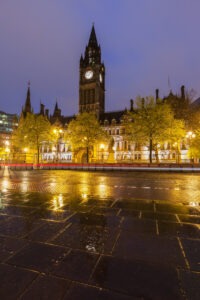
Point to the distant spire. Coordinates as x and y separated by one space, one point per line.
27 108
57 111
41 109
56 106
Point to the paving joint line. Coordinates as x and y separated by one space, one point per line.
57 234
183 253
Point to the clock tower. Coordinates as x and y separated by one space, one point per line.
92 78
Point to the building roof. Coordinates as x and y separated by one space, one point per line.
196 103
110 116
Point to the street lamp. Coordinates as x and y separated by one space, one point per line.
85 139
190 135
102 146
25 151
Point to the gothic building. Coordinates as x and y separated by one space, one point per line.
92 99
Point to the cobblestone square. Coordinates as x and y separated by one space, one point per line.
99 241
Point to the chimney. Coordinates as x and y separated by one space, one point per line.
41 109
47 113
131 105
157 94
183 92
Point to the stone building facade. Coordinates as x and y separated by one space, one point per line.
92 99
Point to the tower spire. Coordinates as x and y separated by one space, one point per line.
27 108
93 39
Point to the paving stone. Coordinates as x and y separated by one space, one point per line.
9 246
64 240
176 209
135 205
99 202
178 229
149 248
91 238
38 257
192 251
159 216
19 226
3 218
77 265
14 281
93 219
129 213
85 292
137 279
54 215
46 288
17 210
190 283
105 211
189 219
139 226
47 231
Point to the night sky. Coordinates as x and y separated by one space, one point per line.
146 44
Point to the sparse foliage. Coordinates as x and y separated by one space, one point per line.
84 132
151 124
31 132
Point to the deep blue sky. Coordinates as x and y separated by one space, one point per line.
143 43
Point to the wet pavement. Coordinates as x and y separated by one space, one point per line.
92 235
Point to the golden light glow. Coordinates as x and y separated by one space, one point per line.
57 202
5 185
190 135
194 204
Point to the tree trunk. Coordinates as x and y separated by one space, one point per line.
87 154
150 150
156 154
38 155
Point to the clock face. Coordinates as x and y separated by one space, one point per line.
100 78
89 74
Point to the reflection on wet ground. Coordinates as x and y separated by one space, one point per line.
92 235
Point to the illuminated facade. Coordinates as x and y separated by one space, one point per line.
92 99
8 122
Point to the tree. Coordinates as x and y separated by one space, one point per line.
84 132
174 134
150 123
194 136
31 132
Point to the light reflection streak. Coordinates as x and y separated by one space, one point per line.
102 190
57 202
24 187
1 203
5 185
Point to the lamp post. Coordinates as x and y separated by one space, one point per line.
7 150
190 136
102 146
25 151
85 139
58 134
